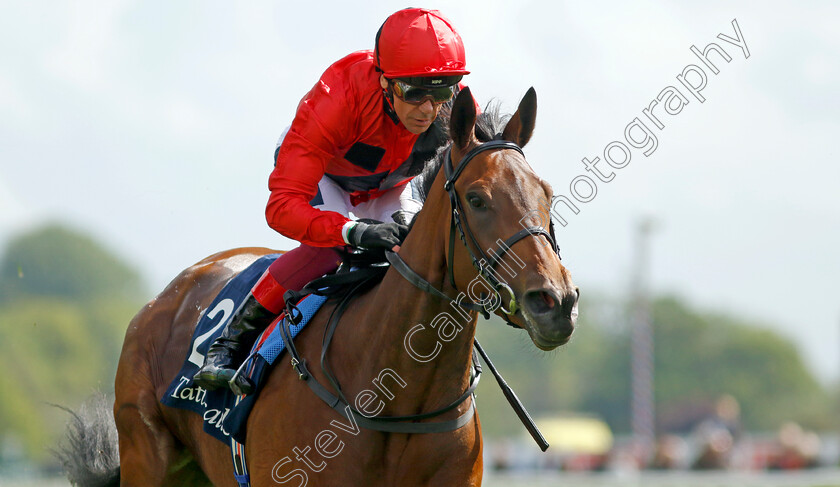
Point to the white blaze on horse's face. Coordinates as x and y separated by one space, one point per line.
501 195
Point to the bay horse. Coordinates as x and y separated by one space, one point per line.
409 349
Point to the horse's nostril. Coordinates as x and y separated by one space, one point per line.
541 301
547 299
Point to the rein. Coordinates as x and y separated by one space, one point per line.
358 280
485 266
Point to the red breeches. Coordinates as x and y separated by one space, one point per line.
293 270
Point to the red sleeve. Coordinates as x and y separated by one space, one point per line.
301 161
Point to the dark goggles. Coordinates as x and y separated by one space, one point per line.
416 95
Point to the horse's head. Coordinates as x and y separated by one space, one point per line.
501 210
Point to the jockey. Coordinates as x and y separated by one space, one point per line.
359 136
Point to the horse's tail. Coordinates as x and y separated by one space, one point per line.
90 451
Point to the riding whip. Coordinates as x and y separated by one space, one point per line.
514 401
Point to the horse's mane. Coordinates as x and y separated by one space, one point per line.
488 123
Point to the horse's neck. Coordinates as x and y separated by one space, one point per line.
413 326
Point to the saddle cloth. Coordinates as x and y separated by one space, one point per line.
225 414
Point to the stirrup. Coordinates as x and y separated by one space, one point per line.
238 383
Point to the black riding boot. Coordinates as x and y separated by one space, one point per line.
231 348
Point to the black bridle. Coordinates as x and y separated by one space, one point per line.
484 265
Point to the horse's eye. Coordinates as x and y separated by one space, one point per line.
475 201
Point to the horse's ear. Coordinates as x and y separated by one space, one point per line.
462 120
521 125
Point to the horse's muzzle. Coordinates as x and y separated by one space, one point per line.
550 316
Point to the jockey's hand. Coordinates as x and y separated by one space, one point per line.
377 235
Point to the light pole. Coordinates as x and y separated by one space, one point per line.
642 379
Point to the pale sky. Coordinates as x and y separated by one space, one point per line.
152 125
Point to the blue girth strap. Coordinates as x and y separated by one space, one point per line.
240 464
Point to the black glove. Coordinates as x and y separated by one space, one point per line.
377 235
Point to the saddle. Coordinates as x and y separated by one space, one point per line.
225 414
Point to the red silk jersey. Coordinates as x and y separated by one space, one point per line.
346 129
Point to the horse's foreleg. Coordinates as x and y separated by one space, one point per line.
147 448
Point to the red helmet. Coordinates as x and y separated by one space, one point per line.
419 42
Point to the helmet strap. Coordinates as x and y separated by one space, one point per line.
388 106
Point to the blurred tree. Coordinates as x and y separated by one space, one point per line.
703 356
699 358
47 356
65 303
57 261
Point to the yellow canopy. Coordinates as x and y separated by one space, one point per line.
576 434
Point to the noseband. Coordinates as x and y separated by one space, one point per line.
483 263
